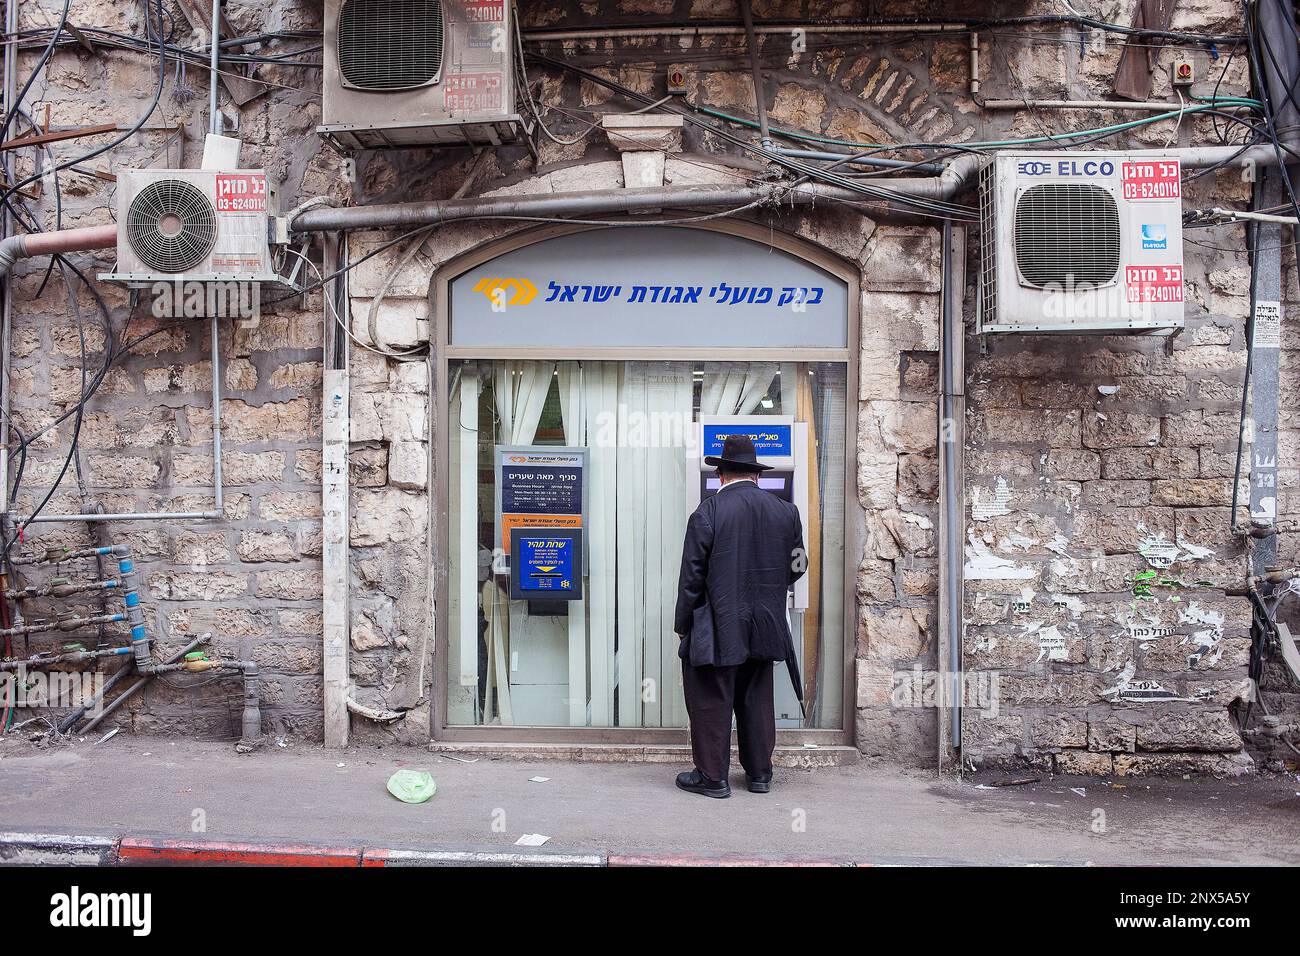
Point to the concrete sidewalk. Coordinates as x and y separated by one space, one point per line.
149 789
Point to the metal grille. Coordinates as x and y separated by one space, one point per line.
987 302
1067 234
390 44
171 225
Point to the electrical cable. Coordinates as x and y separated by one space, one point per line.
11 109
132 130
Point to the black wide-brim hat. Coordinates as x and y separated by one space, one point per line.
737 455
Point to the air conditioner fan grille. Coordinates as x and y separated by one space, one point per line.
1067 234
390 44
171 225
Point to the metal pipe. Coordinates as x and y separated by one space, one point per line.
756 72
70 657
974 66
1149 106
61 588
6 227
956 176
952 385
25 246
1245 215
602 33
119 675
214 119
251 719
217 485
416 215
144 679
130 578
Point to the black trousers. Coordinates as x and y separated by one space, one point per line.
712 695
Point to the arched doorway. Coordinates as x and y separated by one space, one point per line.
582 375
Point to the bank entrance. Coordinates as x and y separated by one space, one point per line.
586 374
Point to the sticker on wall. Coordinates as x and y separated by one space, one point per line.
1158 552
1051 644
1206 643
1268 326
1158 283
1138 690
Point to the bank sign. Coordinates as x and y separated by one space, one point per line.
649 286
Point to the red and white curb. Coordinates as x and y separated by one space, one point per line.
56 849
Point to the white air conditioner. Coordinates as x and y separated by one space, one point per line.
404 73
197 225
1081 242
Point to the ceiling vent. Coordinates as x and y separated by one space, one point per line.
409 73
390 44
1081 242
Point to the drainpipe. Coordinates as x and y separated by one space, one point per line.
760 98
952 444
214 118
10 86
28 245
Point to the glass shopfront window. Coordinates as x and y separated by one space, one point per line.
581 634
586 373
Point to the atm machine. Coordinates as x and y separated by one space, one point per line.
781 442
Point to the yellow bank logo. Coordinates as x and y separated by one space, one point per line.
507 291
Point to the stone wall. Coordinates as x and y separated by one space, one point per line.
252 579
1090 460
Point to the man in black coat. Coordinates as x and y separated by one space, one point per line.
743 550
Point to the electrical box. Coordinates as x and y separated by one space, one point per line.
1081 242
1182 72
197 225
409 73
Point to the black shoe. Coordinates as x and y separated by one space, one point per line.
758 784
692 781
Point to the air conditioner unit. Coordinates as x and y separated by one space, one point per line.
405 73
1081 242
197 225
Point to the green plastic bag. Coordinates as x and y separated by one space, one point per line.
412 786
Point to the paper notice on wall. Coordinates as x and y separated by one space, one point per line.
1268 325
988 503
1051 645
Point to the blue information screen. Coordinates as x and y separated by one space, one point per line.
546 563
770 441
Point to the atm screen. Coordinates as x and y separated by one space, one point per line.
779 483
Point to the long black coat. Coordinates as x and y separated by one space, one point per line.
743 550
